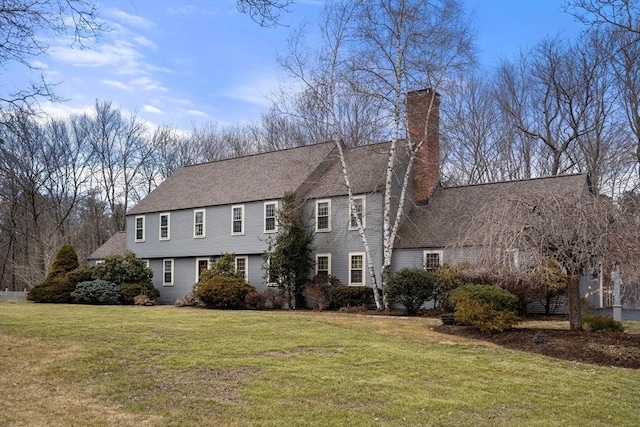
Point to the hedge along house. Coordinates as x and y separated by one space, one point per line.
205 210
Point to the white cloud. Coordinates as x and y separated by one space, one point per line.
143 41
133 20
115 83
255 90
148 83
152 109
39 65
198 113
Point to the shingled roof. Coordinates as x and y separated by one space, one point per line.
242 179
314 171
116 245
441 223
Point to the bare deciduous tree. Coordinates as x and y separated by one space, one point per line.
572 229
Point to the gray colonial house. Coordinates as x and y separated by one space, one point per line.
205 210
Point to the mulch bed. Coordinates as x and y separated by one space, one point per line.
599 348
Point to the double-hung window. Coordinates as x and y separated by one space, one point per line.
432 260
164 226
323 215
323 264
237 220
356 269
270 211
199 223
357 212
202 264
139 237
167 272
242 266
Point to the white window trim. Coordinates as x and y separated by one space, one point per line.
246 266
275 218
364 265
135 231
168 215
269 283
146 262
328 262
173 267
328 229
208 259
99 261
234 207
204 223
364 212
432 251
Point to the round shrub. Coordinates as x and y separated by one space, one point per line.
486 307
224 292
96 292
351 296
120 269
497 298
410 287
129 291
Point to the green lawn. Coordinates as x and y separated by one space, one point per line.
71 365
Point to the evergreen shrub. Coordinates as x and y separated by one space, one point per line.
486 307
410 287
594 322
224 292
351 296
96 292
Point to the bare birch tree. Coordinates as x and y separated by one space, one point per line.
384 49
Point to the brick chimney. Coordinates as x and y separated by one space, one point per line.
424 129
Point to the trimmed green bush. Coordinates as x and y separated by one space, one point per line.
121 269
225 265
497 298
486 307
96 292
594 322
351 296
224 292
410 287
129 291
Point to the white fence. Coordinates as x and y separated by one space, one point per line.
8 295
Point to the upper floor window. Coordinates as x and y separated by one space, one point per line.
323 215
432 260
237 220
139 237
199 223
357 212
167 272
164 226
242 266
356 269
323 264
270 223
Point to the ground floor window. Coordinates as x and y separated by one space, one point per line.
167 272
202 264
356 269
242 267
432 260
323 264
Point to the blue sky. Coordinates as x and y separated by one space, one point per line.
189 62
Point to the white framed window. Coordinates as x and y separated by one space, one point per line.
242 266
202 264
139 236
199 223
358 211
99 261
237 220
431 260
356 269
146 262
323 215
165 226
167 272
270 220
323 264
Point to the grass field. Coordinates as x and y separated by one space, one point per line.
71 365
